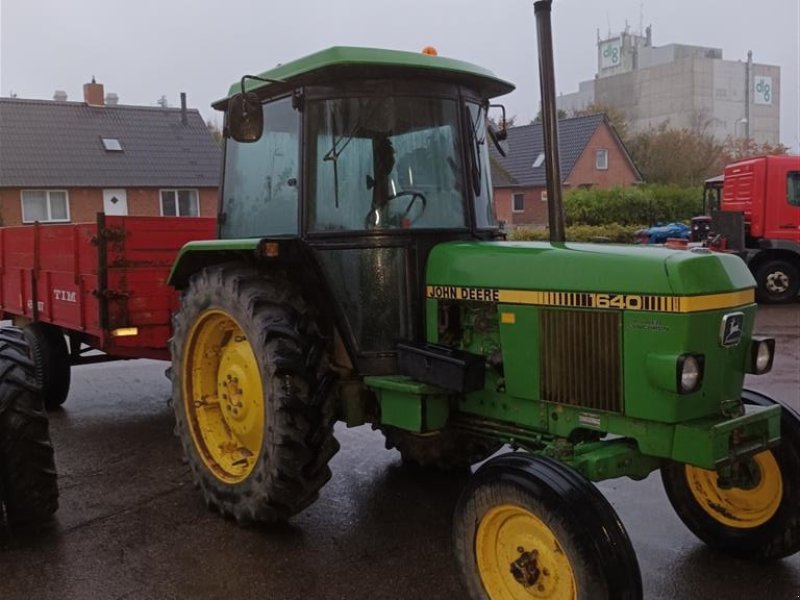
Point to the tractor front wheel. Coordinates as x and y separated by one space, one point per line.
758 521
531 527
252 394
28 487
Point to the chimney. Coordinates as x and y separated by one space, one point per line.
112 99
93 93
60 96
184 117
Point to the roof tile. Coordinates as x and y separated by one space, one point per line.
526 142
47 143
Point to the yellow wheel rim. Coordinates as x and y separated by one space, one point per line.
223 396
737 507
519 557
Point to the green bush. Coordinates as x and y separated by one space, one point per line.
611 233
648 204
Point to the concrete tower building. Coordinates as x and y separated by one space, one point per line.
687 86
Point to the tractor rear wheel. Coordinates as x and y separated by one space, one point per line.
531 527
28 487
51 357
446 450
252 394
759 522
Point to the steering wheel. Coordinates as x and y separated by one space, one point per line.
373 216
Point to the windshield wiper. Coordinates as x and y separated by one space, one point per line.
477 166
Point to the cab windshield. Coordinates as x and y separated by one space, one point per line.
384 163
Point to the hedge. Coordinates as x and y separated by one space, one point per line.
612 233
649 204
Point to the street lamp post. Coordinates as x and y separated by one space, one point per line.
742 121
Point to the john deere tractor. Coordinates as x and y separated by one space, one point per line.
360 276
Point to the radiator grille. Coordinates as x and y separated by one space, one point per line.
579 354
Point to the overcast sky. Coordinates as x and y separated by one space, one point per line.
144 49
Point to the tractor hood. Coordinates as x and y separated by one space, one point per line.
586 268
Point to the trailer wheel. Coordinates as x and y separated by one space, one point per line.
761 522
28 487
778 281
446 450
51 357
252 394
531 527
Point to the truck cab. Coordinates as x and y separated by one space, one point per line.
766 189
759 218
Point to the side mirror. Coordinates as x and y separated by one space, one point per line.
498 136
245 117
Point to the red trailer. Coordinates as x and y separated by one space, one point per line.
102 284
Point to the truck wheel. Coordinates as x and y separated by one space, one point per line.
51 357
761 522
446 450
27 469
252 394
778 281
531 527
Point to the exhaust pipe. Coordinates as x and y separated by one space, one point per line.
547 87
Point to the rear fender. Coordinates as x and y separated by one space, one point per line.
194 256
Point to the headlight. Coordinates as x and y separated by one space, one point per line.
762 352
690 372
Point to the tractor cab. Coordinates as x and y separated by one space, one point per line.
712 196
360 161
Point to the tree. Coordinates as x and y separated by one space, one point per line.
675 156
560 114
215 131
734 149
615 117
497 123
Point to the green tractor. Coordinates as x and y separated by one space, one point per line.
360 276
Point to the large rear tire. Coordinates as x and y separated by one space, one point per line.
446 450
28 486
531 527
759 523
252 394
51 357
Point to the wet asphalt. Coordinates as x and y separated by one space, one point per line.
131 525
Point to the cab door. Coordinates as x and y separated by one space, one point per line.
787 217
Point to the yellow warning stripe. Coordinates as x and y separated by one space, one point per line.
637 302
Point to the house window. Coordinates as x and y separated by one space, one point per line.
544 195
539 161
179 203
518 203
601 159
45 206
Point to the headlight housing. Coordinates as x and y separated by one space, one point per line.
689 373
762 353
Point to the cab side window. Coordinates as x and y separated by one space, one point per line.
260 186
793 188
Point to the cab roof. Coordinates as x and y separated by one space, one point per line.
341 62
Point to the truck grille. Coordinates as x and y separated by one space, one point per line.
579 354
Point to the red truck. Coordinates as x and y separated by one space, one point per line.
759 219
102 285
